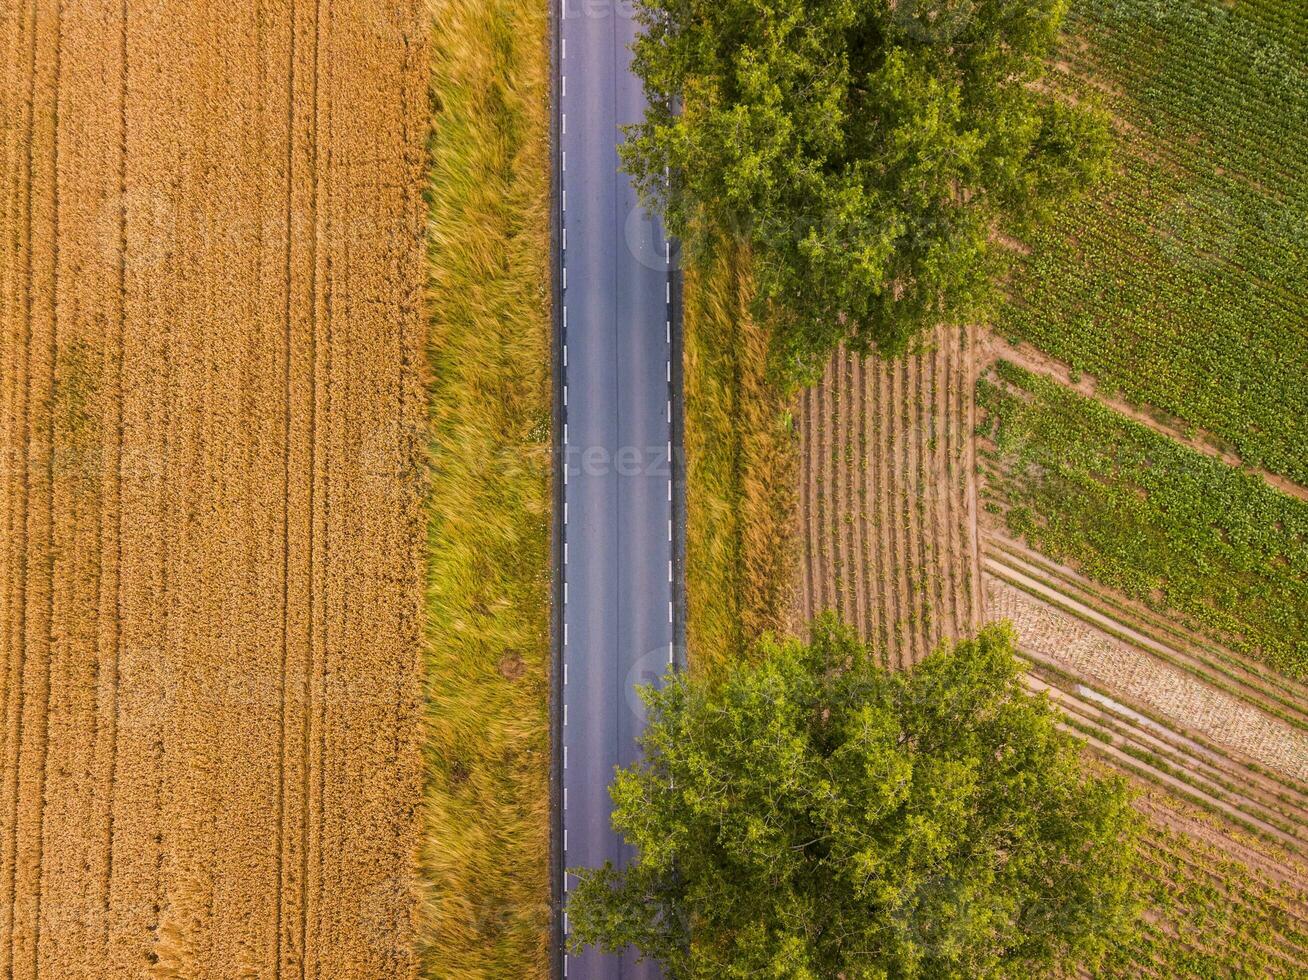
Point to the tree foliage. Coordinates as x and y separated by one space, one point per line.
812 814
863 148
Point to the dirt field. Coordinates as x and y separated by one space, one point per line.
887 509
209 415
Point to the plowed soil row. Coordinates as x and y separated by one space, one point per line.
209 427
887 503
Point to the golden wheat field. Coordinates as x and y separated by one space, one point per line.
209 442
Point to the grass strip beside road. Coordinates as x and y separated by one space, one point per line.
485 850
740 466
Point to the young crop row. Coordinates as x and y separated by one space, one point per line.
1183 280
1169 527
1208 914
885 499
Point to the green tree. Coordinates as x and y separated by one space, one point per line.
811 814
864 150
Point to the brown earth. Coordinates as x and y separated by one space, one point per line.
887 503
209 420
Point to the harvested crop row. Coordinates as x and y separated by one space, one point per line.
210 576
886 498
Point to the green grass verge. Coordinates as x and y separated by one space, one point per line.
485 850
1140 513
1182 281
740 467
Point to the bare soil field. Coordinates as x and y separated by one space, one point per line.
886 498
210 420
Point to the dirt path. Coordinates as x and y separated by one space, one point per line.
211 338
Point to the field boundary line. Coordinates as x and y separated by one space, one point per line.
1030 358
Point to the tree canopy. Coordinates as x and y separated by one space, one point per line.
863 150
811 814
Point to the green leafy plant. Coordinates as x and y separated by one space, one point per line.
863 149
808 813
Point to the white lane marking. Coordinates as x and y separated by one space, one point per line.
565 552
565 593
669 450
565 674
565 433
565 762
565 643
669 378
565 400
668 289
565 355
565 318
565 403
669 610
669 661
669 538
564 43
565 521
565 724
667 252
565 840
565 239
564 80
565 277
669 489
565 124
565 709
669 331
565 200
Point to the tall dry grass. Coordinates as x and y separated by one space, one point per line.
741 460
485 849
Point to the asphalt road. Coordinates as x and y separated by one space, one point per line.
619 605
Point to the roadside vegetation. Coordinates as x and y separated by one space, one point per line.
1183 280
862 150
740 459
808 812
485 849
1134 510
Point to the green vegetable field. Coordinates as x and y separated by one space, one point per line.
1169 526
1182 281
